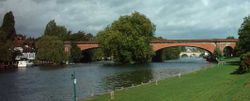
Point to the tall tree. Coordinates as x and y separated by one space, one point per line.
52 29
50 49
7 34
128 39
243 44
8 25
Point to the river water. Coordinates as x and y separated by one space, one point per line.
55 84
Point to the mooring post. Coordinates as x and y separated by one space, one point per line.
73 77
112 95
179 75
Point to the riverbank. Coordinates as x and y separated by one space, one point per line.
216 84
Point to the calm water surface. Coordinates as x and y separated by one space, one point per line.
55 84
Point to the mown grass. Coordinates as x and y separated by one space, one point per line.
212 84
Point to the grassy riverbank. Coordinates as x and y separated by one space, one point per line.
212 84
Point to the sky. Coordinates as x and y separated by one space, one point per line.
174 19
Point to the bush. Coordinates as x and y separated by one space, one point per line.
244 63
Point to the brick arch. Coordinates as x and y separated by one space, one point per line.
87 46
231 46
208 46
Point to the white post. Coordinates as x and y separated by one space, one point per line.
112 95
179 75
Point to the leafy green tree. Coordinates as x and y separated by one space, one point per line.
8 26
172 53
243 44
50 49
217 53
52 29
81 36
128 39
98 54
75 53
244 63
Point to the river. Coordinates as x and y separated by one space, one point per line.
55 84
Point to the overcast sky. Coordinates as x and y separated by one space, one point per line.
174 19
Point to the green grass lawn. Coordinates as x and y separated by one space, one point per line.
211 84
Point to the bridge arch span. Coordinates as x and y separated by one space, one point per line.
208 47
84 47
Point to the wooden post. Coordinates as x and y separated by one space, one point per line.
112 95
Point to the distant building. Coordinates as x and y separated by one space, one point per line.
24 48
25 52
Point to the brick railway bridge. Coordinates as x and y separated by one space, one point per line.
158 45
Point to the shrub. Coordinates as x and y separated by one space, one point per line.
244 63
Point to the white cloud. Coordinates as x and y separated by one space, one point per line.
173 18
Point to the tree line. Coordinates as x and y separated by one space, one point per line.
49 47
126 40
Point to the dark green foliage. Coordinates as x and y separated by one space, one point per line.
75 53
98 54
8 26
230 37
3 36
81 36
50 49
5 51
217 53
128 39
7 34
243 44
172 53
244 63
52 29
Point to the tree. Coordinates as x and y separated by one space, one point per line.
8 25
172 53
5 52
52 29
128 39
75 53
7 34
244 63
243 44
81 36
217 53
230 37
50 49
